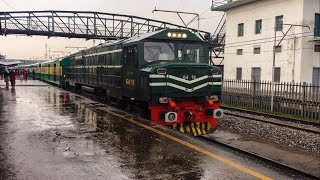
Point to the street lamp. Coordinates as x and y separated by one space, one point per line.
274 55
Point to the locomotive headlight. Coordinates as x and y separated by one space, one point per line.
184 35
169 34
179 35
174 35
214 98
163 100
161 71
171 117
218 113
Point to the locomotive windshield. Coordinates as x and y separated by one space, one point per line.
157 51
190 52
154 51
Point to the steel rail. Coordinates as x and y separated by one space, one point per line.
276 123
288 119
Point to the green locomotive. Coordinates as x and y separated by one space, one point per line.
166 72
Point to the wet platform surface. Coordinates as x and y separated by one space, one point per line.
49 133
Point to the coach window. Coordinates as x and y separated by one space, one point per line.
101 59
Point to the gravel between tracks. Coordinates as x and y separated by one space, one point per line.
268 132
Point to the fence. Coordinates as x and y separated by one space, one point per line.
297 99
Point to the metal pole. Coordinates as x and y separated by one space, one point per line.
46 53
273 66
198 23
274 55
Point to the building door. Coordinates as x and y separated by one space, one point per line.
316 76
256 74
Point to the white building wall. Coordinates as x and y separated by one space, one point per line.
290 59
310 59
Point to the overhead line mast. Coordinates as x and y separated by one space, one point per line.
197 16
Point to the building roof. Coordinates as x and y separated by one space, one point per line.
227 5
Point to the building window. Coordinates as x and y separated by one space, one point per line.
240 29
239 51
317 48
316 76
317 25
277 49
277 73
256 50
239 74
256 74
258 26
279 23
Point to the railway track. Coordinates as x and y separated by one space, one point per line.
279 123
268 161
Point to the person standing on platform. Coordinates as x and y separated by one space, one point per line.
33 74
25 74
6 77
13 78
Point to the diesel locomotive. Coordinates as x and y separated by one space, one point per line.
166 72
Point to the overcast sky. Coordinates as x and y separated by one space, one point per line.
22 47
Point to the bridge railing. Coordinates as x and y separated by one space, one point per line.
80 24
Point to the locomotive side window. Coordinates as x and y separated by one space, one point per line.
190 52
131 55
125 55
135 55
155 51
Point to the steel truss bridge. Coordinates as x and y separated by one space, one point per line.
80 24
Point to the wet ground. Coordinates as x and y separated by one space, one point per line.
49 133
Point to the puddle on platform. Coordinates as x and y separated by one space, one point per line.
137 151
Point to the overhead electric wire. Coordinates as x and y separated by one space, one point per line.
267 42
272 40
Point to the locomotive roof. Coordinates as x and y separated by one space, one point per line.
142 36
161 34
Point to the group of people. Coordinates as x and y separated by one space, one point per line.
10 76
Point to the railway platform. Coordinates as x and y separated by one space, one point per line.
50 133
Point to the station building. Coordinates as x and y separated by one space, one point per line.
251 28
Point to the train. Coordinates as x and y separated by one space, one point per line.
167 72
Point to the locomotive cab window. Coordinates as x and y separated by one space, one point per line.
155 51
190 52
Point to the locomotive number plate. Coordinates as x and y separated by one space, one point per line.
130 82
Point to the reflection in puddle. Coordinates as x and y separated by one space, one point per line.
137 151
